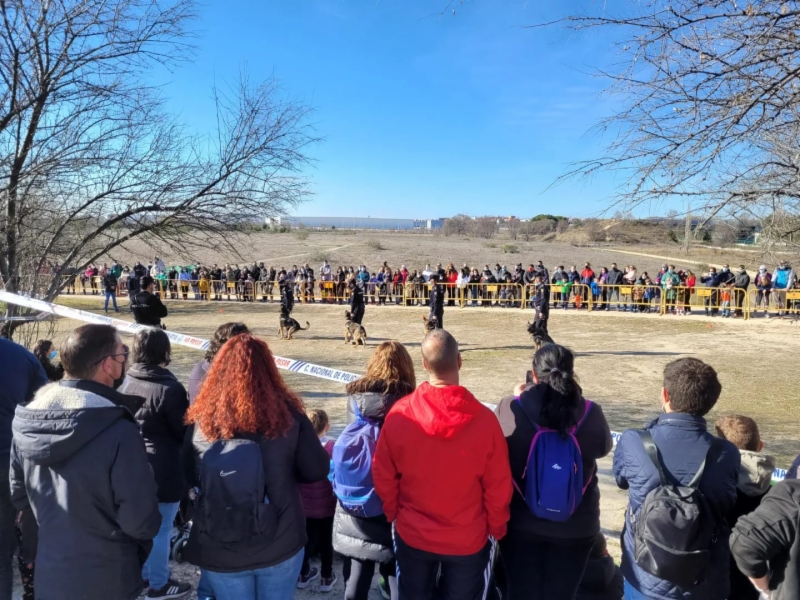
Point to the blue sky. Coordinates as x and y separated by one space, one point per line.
423 115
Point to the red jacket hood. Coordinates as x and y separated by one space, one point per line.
441 412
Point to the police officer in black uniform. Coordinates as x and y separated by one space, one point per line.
146 307
541 304
436 302
356 302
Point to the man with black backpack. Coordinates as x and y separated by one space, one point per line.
682 485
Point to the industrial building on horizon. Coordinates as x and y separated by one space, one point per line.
355 223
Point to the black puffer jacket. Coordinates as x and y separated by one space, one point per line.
768 539
160 420
77 445
297 457
356 537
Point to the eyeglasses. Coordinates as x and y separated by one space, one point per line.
125 352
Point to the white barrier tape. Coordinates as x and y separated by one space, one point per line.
287 364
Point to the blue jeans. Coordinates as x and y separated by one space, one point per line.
156 569
270 583
204 591
113 297
631 593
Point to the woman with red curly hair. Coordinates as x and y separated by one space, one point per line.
251 444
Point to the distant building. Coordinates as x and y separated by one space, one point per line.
355 223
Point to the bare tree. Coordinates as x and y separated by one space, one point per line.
486 227
457 225
687 230
513 225
89 159
709 97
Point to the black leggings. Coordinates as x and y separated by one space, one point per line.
320 538
358 574
540 569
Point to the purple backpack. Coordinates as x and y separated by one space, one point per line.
553 474
352 458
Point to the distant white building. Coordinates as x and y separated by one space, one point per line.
355 223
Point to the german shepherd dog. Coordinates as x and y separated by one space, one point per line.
428 324
539 335
287 326
354 332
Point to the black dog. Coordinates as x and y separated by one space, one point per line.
538 331
287 326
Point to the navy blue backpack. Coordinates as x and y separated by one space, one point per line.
352 467
553 474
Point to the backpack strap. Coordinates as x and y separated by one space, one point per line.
711 456
652 451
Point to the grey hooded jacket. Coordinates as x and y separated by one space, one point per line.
79 462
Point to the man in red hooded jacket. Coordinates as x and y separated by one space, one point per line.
442 471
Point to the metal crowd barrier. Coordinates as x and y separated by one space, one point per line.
491 294
774 302
634 298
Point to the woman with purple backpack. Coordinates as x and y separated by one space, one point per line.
554 438
367 541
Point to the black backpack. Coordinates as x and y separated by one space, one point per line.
233 504
675 528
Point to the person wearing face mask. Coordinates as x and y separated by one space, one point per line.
740 285
46 352
711 280
726 276
77 445
161 421
763 288
558 278
572 278
783 279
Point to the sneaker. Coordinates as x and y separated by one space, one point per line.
304 580
326 583
383 586
173 589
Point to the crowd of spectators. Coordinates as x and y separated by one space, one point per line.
675 291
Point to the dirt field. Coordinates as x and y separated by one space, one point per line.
620 355
416 249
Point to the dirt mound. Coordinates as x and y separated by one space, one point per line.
618 232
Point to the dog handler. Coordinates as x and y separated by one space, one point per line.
356 301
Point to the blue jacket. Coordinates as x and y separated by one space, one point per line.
21 375
683 442
712 281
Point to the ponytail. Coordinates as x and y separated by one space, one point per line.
554 368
